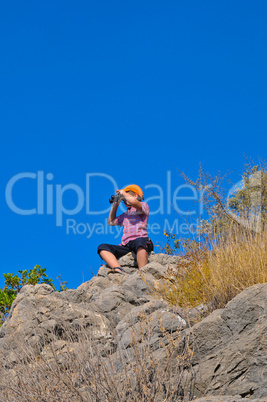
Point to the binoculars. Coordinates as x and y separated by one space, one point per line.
115 198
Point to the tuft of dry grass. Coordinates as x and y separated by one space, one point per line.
214 272
76 368
237 263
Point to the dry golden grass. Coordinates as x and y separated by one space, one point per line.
237 263
214 272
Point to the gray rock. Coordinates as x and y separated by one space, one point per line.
230 347
39 314
114 313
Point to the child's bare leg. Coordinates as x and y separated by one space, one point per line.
142 257
109 259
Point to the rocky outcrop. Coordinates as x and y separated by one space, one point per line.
222 357
230 347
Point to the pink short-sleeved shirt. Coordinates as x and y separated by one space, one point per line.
134 223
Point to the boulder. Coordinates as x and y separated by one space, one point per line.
230 348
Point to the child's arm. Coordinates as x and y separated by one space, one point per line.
112 214
131 199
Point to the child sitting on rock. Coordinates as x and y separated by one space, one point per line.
134 222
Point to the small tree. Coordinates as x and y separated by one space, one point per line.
244 205
249 202
14 283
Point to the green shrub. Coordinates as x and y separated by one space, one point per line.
14 283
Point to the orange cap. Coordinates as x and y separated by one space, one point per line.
136 189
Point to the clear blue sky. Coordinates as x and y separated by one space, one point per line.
119 92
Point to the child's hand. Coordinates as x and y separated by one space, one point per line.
121 192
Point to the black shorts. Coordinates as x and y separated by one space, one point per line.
133 245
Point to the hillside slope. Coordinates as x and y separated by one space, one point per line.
112 339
